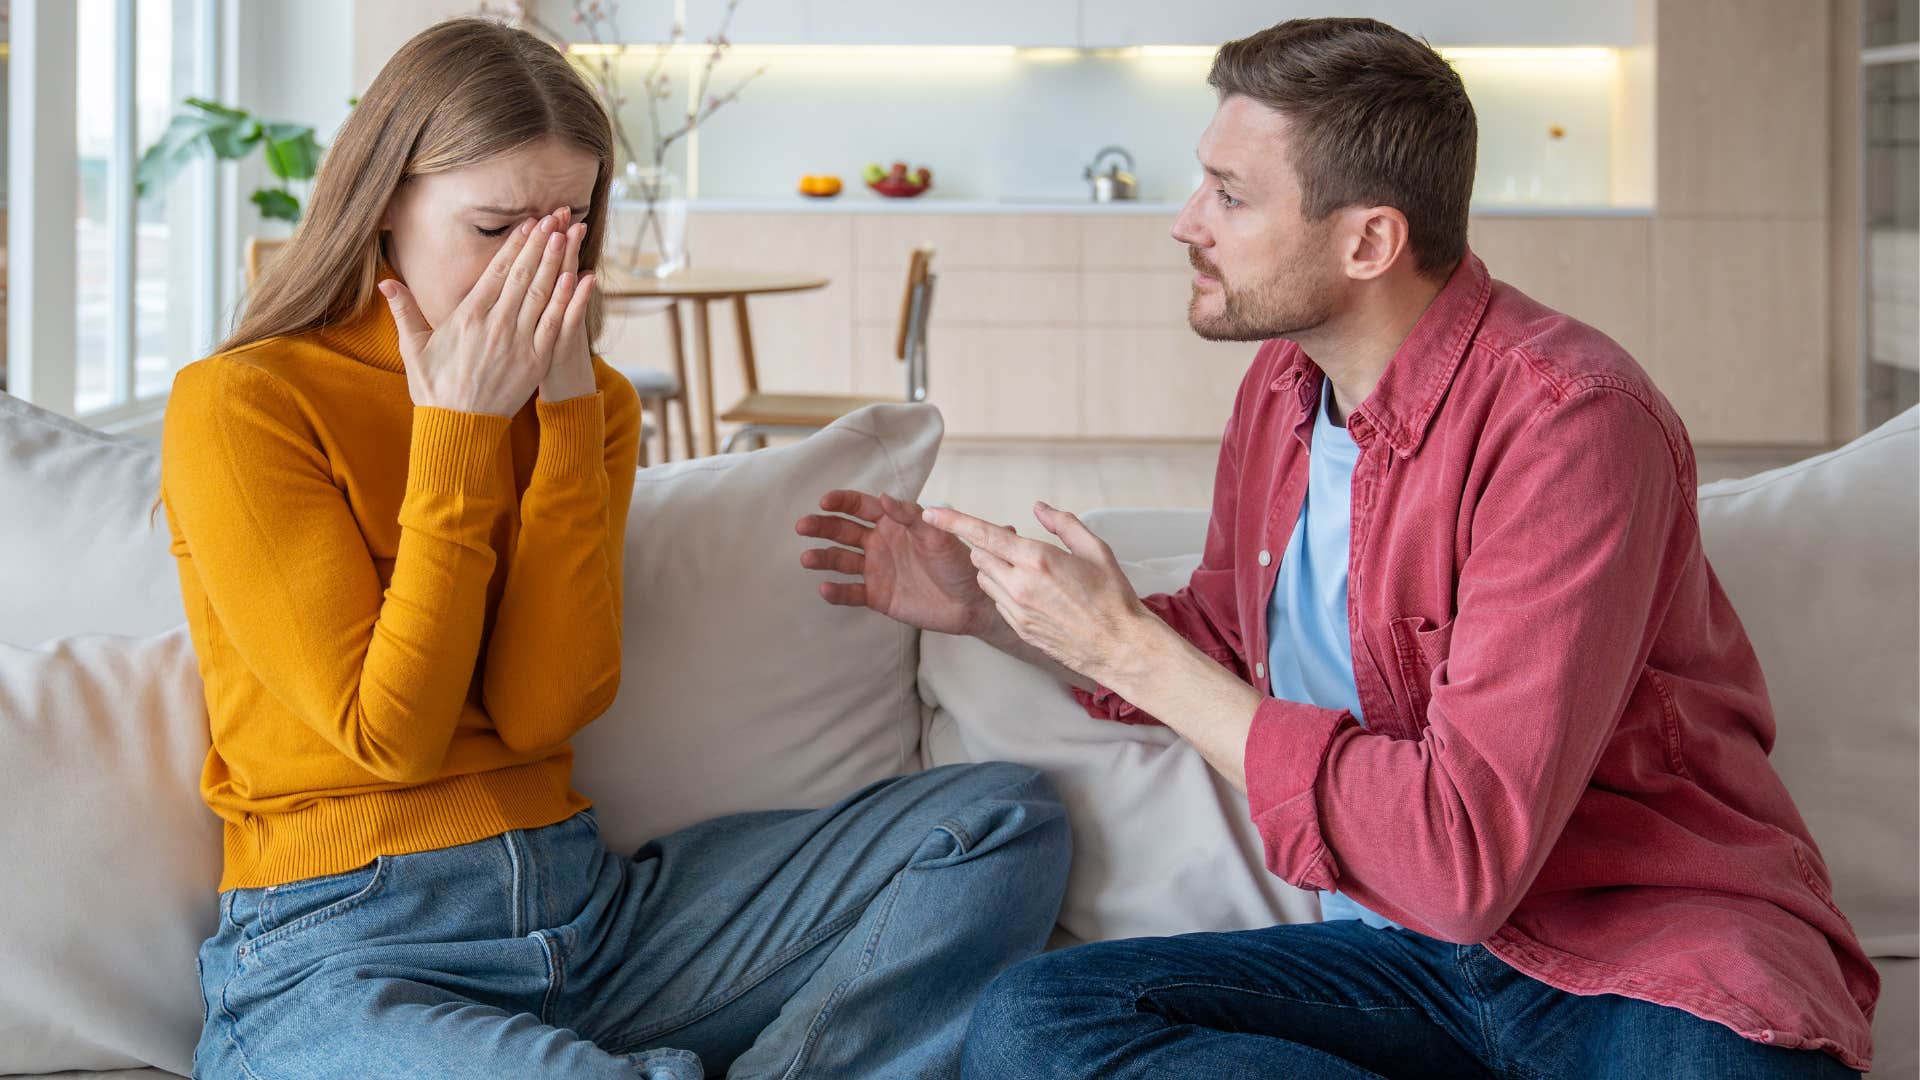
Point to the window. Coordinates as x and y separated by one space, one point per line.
142 287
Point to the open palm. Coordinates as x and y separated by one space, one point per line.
908 570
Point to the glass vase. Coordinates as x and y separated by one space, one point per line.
646 221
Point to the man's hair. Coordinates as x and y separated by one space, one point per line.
1378 119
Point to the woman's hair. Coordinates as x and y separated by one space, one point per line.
459 93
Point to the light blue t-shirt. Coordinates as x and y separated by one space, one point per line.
1309 645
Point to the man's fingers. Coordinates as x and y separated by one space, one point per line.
998 594
844 594
853 503
835 529
407 319
998 539
834 560
1079 539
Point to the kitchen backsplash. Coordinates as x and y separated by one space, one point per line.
1557 126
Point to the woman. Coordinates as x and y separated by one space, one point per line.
398 521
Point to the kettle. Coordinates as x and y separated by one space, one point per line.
1115 182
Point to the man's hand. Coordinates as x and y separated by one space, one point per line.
908 570
1074 606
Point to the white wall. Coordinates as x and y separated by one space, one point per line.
301 61
1114 23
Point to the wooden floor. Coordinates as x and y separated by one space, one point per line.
1000 480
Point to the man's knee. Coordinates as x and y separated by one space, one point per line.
1026 997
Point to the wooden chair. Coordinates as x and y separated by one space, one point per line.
260 251
761 413
659 388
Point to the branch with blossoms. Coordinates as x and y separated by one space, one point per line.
598 20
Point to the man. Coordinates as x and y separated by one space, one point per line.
1453 633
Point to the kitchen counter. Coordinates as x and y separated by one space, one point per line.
860 202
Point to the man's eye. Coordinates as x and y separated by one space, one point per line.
501 231
1225 198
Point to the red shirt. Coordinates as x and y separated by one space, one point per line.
1565 756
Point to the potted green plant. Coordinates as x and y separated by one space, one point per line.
291 152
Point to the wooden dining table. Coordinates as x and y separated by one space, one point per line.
698 289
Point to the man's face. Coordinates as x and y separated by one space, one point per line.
1261 270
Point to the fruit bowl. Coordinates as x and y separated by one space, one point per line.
897 189
897 183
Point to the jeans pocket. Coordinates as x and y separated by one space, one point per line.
286 910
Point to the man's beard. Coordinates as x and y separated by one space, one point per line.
1276 307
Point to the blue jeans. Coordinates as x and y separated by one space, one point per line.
1336 999
845 942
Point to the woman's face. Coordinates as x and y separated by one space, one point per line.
446 226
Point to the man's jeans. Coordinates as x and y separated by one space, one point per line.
846 942
1336 999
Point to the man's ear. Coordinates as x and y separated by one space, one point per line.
1379 241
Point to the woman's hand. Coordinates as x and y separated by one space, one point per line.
569 360
487 356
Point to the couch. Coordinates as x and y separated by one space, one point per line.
112 858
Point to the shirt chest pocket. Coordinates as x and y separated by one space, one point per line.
1419 652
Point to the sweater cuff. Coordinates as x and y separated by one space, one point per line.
572 436
453 452
1286 749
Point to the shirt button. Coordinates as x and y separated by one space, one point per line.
1266 558
1259 671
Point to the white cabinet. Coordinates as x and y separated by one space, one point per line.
943 22
756 22
650 22
1117 23
1108 23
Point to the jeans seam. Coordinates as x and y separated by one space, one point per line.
958 832
231 1028
513 885
746 982
1496 1058
1141 991
556 973
867 952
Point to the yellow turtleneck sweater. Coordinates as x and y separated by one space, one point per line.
402 613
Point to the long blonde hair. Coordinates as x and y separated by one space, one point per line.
460 92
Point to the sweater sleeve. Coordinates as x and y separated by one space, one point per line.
553 660
381 675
